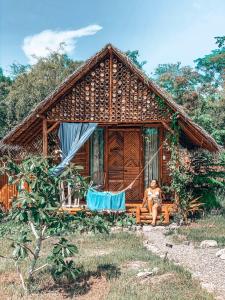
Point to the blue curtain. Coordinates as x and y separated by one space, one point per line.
72 136
151 146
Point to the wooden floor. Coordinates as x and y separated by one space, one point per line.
134 208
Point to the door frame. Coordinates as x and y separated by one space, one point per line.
141 154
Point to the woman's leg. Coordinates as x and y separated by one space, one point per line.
150 203
144 203
154 213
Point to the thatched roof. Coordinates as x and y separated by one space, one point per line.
34 122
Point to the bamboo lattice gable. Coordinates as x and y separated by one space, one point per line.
108 88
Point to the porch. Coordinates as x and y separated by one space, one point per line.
116 155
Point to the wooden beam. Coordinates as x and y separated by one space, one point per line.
32 137
168 127
45 137
124 123
110 84
191 136
106 166
50 129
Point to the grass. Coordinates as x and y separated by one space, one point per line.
107 275
208 228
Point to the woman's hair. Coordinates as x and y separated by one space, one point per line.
157 182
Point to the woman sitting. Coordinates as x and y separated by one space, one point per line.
153 199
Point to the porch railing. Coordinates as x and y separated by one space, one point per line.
67 197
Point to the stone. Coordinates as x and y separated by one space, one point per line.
146 228
220 252
144 274
173 226
138 227
208 286
208 244
155 270
153 248
116 229
222 256
187 243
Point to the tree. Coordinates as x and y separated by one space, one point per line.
134 56
33 83
5 84
36 217
213 65
182 83
200 90
212 113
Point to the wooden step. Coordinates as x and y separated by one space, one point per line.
143 215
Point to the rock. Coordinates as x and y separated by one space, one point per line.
169 245
116 229
208 286
173 226
187 243
220 252
153 248
146 228
155 270
138 227
208 244
144 274
222 256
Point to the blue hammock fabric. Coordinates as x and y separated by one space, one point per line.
100 201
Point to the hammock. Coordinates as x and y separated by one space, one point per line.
101 201
113 201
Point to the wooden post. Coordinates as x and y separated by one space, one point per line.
110 84
45 137
161 140
106 167
166 215
138 215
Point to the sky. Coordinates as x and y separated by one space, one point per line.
164 31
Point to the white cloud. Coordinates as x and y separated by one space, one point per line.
41 44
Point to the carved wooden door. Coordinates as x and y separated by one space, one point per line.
125 161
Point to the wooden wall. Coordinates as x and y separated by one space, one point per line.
7 192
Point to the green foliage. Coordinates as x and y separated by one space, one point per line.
119 219
36 212
208 176
101 222
20 246
200 90
134 56
96 223
198 181
31 84
181 82
5 85
61 267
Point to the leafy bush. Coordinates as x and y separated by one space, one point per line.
36 217
196 180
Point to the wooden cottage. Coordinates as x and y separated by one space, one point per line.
133 116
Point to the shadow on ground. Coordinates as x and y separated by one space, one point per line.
83 284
